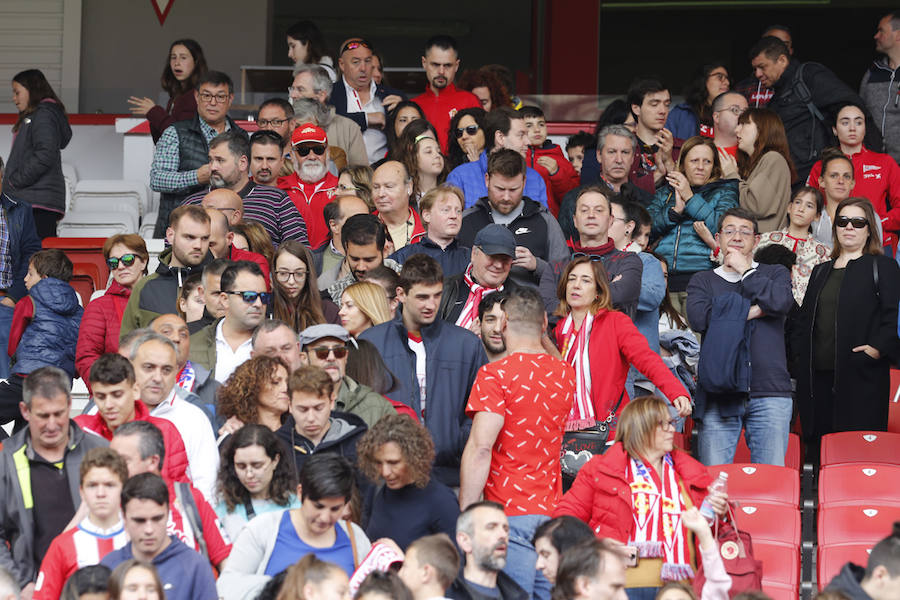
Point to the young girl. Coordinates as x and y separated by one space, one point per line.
804 209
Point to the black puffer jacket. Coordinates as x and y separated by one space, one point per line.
34 169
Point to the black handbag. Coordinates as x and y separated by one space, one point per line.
580 446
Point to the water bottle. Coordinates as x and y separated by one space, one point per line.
719 487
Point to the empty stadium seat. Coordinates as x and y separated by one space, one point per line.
769 522
84 286
831 559
71 178
857 484
82 250
148 223
856 524
781 563
781 592
894 410
88 270
791 457
761 483
97 224
861 447
111 194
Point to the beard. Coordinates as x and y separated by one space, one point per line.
493 348
486 559
312 171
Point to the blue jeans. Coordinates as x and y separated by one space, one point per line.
642 593
766 422
521 556
6 315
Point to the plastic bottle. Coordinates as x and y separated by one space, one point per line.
719 487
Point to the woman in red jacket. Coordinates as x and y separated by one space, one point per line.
637 490
127 257
601 343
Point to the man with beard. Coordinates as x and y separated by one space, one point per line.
482 533
363 239
490 318
267 157
311 187
232 192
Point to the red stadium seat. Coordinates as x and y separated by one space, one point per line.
791 457
857 484
770 522
780 592
87 270
761 483
781 563
856 524
84 286
861 447
894 410
831 559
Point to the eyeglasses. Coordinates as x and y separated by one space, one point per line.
271 122
208 98
353 45
733 109
719 76
857 222
593 257
670 424
733 232
305 150
469 129
127 260
250 297
322 352
285 276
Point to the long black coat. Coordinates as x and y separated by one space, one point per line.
864 316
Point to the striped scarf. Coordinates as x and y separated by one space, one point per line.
658 531
575 352
476 293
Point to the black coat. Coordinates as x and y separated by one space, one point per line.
338 100
864 316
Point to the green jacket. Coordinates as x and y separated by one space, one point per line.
362 401
203 347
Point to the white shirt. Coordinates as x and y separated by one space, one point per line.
199 440
418 348
227 360
374 139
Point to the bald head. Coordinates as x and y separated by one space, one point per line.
391 189
220 237
227 201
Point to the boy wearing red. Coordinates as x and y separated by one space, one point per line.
548 159
311 186
518 407
103 472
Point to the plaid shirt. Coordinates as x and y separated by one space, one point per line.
6 268
164 173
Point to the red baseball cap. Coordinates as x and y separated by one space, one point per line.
307 132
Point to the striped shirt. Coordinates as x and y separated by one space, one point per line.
165 175
6 267
271 208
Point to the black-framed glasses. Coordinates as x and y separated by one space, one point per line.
208 98
857 222
670 424
305 150
470 129
353 45
285 276
271 122
250 297
322 352
126 259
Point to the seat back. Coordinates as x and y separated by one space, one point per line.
855 484
861 447
856 524
761 483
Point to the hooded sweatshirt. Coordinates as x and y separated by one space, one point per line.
184 574
848 582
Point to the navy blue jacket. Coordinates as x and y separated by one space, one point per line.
23 242
453 357
725 356
769 287
52 335
184 573
453 259
339 100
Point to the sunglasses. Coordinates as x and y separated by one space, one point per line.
354 45
470 129
322 352
304 150
857 222
127 260
593 257
250 297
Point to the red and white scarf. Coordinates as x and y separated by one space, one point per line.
658 530
575 352
476 293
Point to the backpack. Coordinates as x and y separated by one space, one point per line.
799 87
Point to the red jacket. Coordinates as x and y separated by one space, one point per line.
175 463
99 331
601 496
310 199
878 179
614 345
418 229
558 184
238 254
440 108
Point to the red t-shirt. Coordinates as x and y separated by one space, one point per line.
439 109
534 394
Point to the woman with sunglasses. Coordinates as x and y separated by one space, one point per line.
601 343
845 335
127 257
364 304
257 392
466 138
296 295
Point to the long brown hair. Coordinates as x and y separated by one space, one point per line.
170 83
601 280
39 89
873 245
770 138
306 309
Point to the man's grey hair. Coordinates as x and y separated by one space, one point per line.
46 382
151 440
150 336
8 585
321 80
126 343
268 326
465 521
309 110
619 130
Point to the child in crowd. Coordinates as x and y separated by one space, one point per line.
547 158
102 474
44 329
575 148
